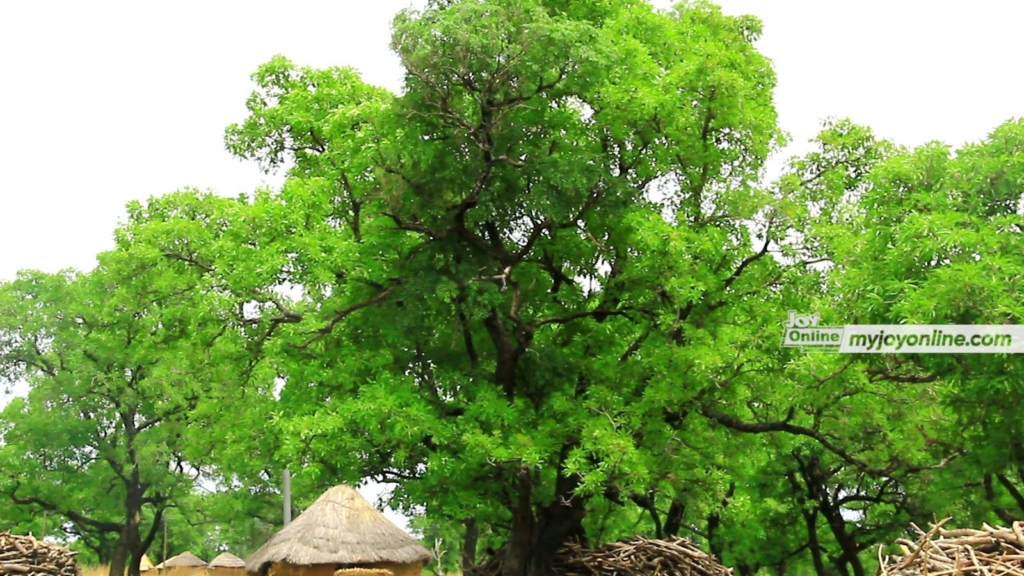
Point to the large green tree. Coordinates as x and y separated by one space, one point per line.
540 292
521 286
129 368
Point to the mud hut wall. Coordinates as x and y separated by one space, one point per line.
413 569
296 570
227 571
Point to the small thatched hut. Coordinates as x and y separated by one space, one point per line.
227 564
340 531
145 564
184 564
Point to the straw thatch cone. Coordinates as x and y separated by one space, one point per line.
340 530
227 560
185 559
227 564
184 564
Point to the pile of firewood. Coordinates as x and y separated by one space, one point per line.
986 552
26 556
632 557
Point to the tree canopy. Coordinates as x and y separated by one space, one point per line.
540 291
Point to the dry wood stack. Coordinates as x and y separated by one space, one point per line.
990 551
632 557
26 556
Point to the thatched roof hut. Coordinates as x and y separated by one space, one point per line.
227 564
145 564
227 560
341 530
184 564
183 560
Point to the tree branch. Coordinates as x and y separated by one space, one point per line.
339 315
189 260
69 514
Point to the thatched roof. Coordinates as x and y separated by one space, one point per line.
227 560
184 559
341 527
145 564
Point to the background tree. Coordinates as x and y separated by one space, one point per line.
942 234
128 366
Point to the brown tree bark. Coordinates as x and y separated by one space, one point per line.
119 558
674 518
811 520
469 544
538 534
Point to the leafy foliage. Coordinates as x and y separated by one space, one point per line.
540 291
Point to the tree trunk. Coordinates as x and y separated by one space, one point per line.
841 566
135 543
132 532
715 544
135 565
816 479
847 543
674 518
647 503
521 538
811 519
536 535
469 544
536 538
851 559
119 558
559 524
134 568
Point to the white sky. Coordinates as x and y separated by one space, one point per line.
104 102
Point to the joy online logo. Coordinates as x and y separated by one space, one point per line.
802 320
802 330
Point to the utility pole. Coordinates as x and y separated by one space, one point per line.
287 493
